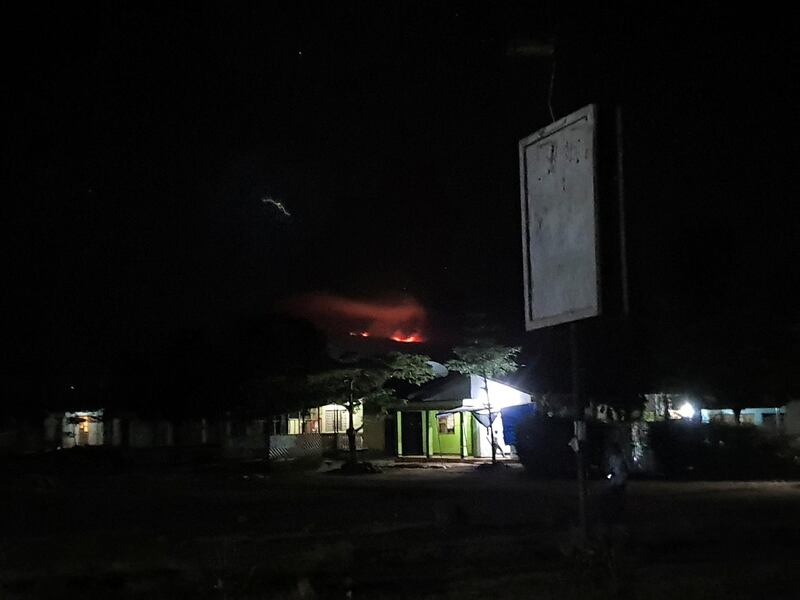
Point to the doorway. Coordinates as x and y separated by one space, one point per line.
411 433
83 433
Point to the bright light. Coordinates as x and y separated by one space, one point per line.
686 411
500 396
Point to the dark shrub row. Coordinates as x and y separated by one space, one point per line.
674 449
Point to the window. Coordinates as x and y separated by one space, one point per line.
334 421
447 423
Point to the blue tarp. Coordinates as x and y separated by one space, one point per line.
511 417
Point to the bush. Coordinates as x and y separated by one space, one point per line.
543 445
718 451
674 449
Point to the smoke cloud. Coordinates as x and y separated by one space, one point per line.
402 321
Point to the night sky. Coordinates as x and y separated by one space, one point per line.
142 142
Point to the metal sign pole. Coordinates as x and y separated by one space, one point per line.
559 180
580 429
623 242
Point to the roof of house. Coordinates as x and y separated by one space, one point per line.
445 392
451 387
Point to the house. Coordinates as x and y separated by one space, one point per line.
94 427
321 429
75 428
329 421
770 418
451 416
777 419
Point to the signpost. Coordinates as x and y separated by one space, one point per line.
559 221
560 245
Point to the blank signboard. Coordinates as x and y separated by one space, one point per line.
559 221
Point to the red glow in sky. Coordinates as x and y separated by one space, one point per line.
414 338
401 321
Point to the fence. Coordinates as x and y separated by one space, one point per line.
297 446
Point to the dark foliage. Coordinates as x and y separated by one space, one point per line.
719 451
674 449
543 446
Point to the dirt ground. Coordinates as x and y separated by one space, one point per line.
99 527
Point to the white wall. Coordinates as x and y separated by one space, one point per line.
375 432
482 441
500 396
792 419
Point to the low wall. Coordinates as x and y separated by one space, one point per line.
298 446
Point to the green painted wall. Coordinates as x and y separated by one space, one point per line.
399 419
450 443
427 441
436 443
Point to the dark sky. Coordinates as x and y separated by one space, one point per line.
142 139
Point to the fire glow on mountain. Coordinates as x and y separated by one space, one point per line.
401 321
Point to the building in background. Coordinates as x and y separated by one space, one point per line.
450 417
770 418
